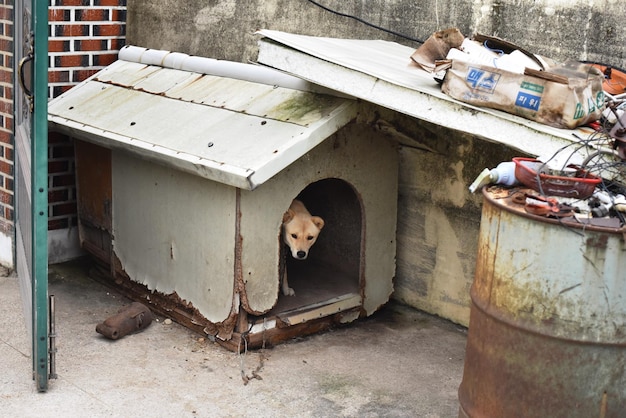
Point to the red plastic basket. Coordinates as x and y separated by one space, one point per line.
580 186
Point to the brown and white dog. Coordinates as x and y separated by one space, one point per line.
300 231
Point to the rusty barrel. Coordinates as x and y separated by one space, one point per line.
547 330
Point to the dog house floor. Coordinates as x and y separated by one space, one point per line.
314 284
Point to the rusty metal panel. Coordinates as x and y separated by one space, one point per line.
175 232
233 131
546 334
93 183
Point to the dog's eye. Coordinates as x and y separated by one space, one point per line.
294 236
309 237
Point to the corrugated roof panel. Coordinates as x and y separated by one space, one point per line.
381 72
200 89
220 128
159 82
179 125
125 73
242 96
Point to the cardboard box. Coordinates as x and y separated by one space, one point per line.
563 95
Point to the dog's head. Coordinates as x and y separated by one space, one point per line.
300 231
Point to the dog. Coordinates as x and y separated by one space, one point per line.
300 231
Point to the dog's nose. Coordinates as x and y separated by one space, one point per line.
301 254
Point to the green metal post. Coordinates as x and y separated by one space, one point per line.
39 153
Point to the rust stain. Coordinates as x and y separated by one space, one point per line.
197 79
598 241
240 286
93 183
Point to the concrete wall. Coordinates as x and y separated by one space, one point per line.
577 29
438 219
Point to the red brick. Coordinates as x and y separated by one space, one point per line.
64 209
104 59
71 3
62 180
6 107
6 198
90 45
59 90
117 44
58 46
118 15
6 76
6 168
109 30
110 3
57 196
61 166
81 75
6 45
6 13
91 15
58 15
5 137
78 60
58 76
8 214
72 30
57 224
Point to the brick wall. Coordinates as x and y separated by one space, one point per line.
85 36
6 117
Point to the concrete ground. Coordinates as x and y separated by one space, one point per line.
398 363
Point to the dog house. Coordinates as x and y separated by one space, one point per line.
185 167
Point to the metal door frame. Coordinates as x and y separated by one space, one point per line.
31 173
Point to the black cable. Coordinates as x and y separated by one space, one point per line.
365 22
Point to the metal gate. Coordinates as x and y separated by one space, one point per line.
31 174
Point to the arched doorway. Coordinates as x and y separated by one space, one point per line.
333 267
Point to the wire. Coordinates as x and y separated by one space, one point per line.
365 22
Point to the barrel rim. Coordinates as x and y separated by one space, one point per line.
505 202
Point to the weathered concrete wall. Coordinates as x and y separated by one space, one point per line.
561 29
438 219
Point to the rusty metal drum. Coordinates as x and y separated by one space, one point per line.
547 332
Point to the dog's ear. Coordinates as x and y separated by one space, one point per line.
287 216
318 222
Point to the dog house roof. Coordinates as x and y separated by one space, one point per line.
234 123
380 72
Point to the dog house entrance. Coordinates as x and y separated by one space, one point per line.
330 276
